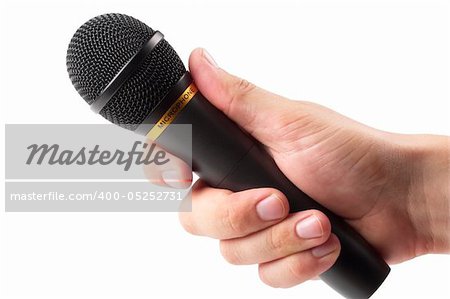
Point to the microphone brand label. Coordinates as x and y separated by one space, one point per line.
172 112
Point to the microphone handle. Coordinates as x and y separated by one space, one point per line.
226 157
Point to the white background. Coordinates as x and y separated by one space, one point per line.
384 63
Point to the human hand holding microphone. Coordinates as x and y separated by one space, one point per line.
379 182
368 177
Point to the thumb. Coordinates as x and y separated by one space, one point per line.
251 107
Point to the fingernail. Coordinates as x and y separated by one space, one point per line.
324 249
309 228
173 179
209 58
270 208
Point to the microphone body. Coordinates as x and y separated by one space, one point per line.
226 157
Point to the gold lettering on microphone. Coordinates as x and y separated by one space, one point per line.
172 112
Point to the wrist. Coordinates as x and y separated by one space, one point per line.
428 198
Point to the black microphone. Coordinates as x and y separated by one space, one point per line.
129 74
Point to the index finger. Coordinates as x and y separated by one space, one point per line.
223 214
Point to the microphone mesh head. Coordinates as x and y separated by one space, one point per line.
98 51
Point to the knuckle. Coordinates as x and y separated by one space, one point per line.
278 239
230 253
244 86
233 222
273 241
295 269
264 277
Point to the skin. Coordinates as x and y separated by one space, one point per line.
388 186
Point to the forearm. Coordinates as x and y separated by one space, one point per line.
429 191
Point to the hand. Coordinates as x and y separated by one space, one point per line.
389 187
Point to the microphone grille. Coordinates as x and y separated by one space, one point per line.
98 51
